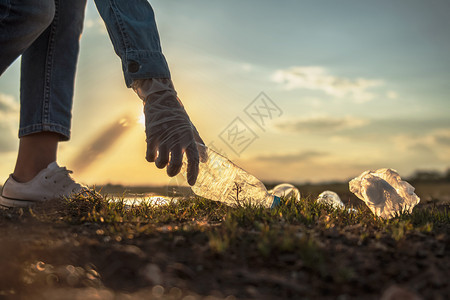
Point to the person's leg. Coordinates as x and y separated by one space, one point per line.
46 91
21 23
36 152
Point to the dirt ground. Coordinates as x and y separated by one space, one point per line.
45 255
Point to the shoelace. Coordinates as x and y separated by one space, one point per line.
61 178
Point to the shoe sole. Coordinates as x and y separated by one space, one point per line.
8 202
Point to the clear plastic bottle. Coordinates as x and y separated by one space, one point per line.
384 192
331 198
219 179
286 190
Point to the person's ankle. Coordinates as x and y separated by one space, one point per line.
24 175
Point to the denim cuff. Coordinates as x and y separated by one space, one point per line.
140 64
56 128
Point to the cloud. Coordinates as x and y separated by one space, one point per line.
97 25
376 130
8 104
435 138
321 124
9 115
391 95
306 166
434 144
103 141
8 141
247 67
318 78
290 157
442 137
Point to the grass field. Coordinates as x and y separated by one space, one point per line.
90 248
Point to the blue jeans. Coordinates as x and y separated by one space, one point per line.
46 33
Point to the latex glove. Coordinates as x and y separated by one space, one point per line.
169 129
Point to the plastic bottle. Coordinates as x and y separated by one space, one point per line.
331 198
219 179
286 190
384 192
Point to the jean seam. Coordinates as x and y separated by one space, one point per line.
49 66
8 5
40 127
123 35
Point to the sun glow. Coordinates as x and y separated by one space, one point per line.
141 120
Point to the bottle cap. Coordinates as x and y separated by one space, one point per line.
276 202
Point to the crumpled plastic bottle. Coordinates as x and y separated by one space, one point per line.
219 179
285 190
384 192
331 198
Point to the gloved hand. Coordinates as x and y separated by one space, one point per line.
169 129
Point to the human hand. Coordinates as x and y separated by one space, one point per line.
169 129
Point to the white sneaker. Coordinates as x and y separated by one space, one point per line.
52 183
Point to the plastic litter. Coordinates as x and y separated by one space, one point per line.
352 210
138 199
219 179
286 190
384 192
158 200
331 198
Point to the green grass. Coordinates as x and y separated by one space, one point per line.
266 231
249 242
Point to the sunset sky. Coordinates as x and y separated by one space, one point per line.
353 85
